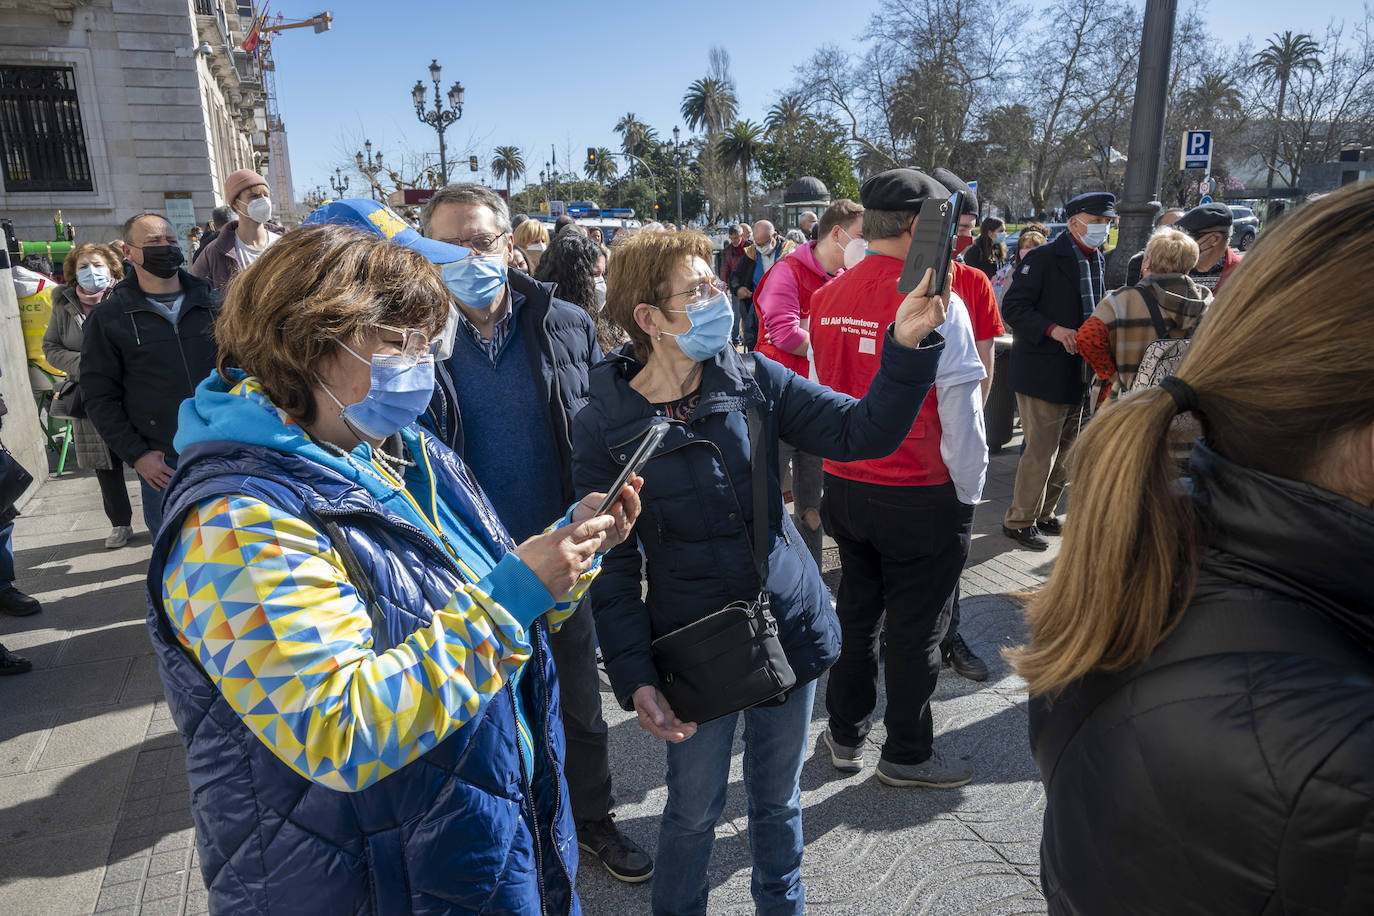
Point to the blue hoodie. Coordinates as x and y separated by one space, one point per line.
242 413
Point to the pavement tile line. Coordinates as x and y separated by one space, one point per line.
871 849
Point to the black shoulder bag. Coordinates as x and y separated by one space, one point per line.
732 659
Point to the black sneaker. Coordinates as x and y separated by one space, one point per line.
617 852
1051 526
1028 537
17 604
13 664
964 661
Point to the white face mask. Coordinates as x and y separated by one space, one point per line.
600 293
854 250
1095 234
259 209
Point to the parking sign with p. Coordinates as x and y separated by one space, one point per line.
1197 150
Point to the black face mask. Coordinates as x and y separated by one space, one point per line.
162 260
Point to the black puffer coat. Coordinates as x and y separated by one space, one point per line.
1232 771
697 522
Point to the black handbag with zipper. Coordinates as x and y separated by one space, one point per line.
731 659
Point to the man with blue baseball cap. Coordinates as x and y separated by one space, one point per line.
442 415
520 366
510 372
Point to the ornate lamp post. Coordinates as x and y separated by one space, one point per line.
315 196
679 149
370 165
440 118
339 182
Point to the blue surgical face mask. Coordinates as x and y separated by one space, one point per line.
93 277
476 281
398 394
712 322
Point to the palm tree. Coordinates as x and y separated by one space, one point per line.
739 146
1215 94
635 136
1285 55
787 115
603 168
709 105
507 163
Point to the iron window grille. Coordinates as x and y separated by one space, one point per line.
42 143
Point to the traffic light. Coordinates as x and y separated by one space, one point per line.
472 163
591 155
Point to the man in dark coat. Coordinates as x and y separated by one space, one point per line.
519 370
146 348
1210 226
1057 286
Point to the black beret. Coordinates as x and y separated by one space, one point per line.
1094 203
900 189
1206 218
955 183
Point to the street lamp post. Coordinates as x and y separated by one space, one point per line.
440 118
1147 134
370 165
339 182
677 160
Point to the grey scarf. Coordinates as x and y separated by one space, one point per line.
1092 285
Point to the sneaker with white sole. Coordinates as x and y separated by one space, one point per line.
938 772
846 759
118 537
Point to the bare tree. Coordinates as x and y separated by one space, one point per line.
1087 51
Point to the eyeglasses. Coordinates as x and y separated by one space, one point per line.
700 295
479 244
414 343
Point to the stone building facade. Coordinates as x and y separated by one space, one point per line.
113 107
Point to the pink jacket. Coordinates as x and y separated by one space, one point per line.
780 302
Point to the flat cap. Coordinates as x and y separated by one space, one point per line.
1212 217
900 189
1094 203
955 183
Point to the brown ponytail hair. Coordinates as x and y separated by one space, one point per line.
1283 372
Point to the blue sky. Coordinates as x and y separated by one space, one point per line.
540 73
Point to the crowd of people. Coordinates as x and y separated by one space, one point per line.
382 471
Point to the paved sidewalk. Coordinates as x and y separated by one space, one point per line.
95 799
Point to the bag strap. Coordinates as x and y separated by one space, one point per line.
758 481
1156 315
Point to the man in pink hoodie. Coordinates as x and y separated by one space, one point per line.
783 303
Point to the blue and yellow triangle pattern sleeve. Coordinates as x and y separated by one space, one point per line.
263 603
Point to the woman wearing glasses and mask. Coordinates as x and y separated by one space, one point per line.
698 528
354 650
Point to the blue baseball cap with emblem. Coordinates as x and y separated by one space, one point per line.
379 219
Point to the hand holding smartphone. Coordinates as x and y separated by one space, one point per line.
932 243
643 451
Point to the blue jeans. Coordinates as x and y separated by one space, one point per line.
152 501
7 557
776 739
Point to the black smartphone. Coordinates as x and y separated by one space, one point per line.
932 244
636 463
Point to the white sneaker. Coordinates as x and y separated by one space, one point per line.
119 536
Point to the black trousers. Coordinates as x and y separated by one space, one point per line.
114 495
587 765
901 552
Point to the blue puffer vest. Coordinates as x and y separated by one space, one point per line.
450 832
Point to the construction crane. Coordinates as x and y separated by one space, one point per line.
277 157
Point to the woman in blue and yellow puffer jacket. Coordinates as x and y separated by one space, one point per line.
354 651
